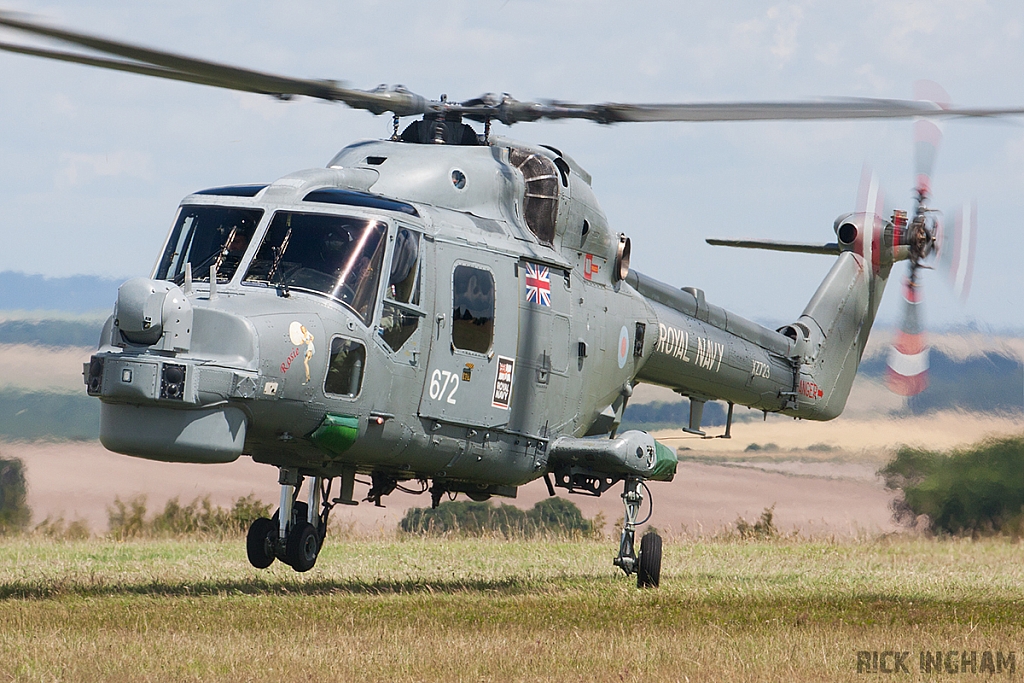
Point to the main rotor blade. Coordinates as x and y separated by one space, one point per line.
511 111
832 248
506 109
118 65
180 67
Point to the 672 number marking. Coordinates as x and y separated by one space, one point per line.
439 381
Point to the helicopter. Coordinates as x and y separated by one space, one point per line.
449 311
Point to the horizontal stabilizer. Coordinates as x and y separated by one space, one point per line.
832 248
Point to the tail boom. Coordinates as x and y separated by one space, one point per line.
805 369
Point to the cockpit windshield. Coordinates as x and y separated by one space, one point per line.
208 236
338 256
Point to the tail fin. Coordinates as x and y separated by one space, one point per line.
837 321
835 324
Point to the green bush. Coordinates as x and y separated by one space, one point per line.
763 528
14 511
60 529
977 490
551 516
758 447
128 520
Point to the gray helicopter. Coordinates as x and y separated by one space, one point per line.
451 308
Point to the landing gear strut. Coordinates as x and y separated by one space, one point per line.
297 530
648 565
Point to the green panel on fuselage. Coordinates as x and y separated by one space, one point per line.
336 433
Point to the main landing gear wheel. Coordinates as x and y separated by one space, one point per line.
646 563
303 546
300 511
260 543
648 571
296 532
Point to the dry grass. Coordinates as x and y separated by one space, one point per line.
488 610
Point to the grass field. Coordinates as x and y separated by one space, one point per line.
470 610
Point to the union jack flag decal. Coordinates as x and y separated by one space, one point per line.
538 285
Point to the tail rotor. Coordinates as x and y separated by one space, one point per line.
928 233
907 371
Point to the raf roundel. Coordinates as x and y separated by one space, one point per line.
623 347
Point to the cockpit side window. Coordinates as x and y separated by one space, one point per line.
208 236
404 282
398 322
339 256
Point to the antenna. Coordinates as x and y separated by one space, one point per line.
213 282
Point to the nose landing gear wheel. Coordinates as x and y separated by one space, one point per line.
260 542
303 547
648 572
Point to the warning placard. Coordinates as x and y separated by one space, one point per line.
503 383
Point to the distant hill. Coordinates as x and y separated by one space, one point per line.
30 415
669 415
985 382
73 294
51 332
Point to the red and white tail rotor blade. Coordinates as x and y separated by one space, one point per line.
958 235
907 371
870 204
927 137
870 196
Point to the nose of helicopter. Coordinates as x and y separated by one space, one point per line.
166 374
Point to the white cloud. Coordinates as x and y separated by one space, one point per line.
63 105
786 20
79 169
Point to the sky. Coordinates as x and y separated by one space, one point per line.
94 163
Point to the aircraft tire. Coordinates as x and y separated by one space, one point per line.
299 512
260 542
303 546
648 573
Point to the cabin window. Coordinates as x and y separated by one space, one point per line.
345 370
473 309
338 256
208 236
